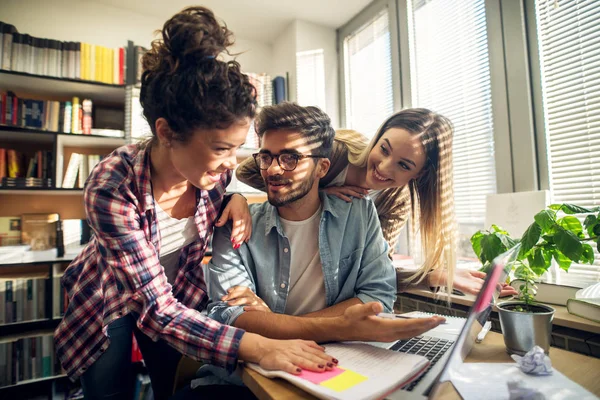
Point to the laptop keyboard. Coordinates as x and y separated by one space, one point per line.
429 347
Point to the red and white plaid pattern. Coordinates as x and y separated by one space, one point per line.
119 271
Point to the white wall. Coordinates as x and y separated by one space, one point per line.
284 57
107 26
302 36
310 36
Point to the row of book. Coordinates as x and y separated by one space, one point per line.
28 358
22 300
35 167
75 60
55 116
79 168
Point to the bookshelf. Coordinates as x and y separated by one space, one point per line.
36 298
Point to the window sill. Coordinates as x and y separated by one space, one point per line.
561 317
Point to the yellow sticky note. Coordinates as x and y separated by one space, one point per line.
344 381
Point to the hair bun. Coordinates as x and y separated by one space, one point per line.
190 36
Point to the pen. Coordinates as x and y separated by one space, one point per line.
486 328
394 316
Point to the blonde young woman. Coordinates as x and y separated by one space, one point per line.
407 170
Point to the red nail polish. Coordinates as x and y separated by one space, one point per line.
321 366
298 370
335 360
330 365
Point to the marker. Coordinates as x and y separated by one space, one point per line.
486 328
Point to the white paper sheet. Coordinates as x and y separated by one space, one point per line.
474 379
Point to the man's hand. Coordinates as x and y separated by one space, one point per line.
243 296
360 322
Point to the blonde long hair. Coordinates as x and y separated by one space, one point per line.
431 193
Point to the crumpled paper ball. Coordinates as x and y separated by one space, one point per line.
517 390
535 362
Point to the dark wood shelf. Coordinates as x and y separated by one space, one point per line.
24 84
26 329
34 381
38 190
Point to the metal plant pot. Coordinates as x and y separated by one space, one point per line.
523 330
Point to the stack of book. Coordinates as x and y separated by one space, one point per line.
19 169
74 60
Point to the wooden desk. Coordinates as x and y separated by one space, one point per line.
581 369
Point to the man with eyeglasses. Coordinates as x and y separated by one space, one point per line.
316 267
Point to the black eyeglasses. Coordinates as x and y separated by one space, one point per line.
286 161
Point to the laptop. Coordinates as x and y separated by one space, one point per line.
447 348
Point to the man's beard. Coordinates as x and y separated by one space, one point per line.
293 195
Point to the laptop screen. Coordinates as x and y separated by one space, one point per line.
480 311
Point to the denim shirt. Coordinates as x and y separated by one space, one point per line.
353 255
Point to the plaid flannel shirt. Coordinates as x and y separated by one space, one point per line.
119 271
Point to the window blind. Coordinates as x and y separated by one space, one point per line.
451 76
368 75
310 78
569 50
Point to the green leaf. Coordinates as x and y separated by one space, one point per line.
598 246
555 207
570 223
573 209
568 244
537 262
506 240
589 222
587 255
491 247
563 261
476 243
596 229
530 237
497 229
545 219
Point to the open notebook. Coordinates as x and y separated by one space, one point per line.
367 372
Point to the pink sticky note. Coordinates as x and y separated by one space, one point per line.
318 377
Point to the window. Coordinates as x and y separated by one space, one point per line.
569 53
368 75
450 75
310 72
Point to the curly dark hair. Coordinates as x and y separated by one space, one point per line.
185 83
311 121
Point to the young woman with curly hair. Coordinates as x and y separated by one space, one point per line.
152 207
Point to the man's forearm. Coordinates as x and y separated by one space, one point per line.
281 326
335 310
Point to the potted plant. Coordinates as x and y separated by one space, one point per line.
556 235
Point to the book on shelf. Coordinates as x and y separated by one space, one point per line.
79 168
47 57
22 300
10 231
365 372
48 115
585 308
39 230
28 358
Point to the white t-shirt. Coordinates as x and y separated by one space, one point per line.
174 235
306 291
